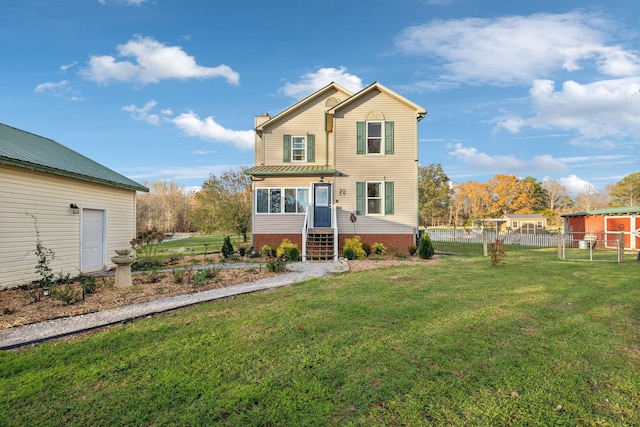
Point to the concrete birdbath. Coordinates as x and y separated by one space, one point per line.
123 267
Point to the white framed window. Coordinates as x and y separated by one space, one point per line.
539 224
271 201
296 200
514 224
375 137
298 149
375 198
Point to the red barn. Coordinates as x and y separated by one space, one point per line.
606 225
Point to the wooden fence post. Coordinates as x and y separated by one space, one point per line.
621 246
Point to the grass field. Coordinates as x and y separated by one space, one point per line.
535 341
197 245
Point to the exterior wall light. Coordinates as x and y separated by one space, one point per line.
74 208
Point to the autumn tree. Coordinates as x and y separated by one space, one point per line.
510 195
434 195
471 200
166 207
626 192
224 203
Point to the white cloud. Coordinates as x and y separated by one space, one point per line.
154 61
596 111
144 113
208 129
312 82
191 124
477 160
575 185
61 89
518 49
65 67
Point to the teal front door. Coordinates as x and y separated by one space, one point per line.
321 205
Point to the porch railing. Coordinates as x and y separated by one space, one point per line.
308 219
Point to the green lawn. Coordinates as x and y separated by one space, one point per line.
197 245
534 341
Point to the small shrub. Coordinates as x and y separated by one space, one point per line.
266 251
366 248
379 249
151 276
497 252
146 244
227 248
178 276
88 284
356 244
413 249
349 253
68 294
242 251
426 250
288 251
277 266
200 278
210 273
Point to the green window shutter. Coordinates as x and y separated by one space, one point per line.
388 198
311 148
388 137
286 148
360 138
360 187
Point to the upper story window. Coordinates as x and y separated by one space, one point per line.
374 137
298 149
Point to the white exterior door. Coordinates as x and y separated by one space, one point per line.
93 240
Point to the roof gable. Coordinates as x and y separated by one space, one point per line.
420 112
305 101
29 151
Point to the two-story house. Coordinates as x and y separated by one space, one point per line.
335 165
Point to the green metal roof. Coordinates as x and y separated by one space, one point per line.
291 170
609 211
26 150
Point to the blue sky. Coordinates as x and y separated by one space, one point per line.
167 89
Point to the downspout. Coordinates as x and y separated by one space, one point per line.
418 118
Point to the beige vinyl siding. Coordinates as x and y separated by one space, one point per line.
308 119
47 198
280 223
401 167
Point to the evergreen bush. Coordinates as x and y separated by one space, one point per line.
426 250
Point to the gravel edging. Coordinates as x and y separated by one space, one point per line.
37 332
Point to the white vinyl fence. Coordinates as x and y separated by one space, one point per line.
475 236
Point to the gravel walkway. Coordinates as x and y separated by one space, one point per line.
50 329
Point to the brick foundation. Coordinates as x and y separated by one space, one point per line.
394 242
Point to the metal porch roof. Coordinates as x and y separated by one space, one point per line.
291 170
